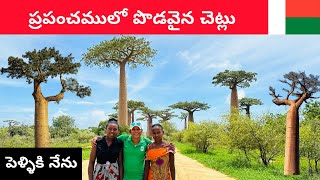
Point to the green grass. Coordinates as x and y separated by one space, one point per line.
230 164
86 153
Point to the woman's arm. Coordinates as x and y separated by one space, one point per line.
172 166
91 162
146 169
121 164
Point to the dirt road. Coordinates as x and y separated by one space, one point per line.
186 169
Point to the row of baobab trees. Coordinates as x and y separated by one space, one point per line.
37 66
187 114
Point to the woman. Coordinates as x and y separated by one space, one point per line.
159 164
108 153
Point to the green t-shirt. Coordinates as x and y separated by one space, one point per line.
133 157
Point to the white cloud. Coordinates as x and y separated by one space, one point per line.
221 66
191 58
241 94
60 112
90 118
140 83
78 102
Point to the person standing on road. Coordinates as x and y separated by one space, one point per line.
159 163
108 153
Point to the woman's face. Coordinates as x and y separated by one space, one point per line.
112 130
157 133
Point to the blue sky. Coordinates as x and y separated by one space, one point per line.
182 71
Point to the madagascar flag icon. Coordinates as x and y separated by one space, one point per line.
302 16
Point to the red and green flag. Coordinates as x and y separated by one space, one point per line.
302 16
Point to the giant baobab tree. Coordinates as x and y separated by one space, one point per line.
37 67
132 107
246 103
302 87
120 52
190 107
234 79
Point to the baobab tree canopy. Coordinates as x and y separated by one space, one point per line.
239 78
249 102
123 49
301 86
190 107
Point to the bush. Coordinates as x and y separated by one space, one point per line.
64 142
178 136
82 136
202 135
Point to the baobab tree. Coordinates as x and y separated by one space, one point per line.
303 87
37 67
119 52
132 107
246 103
149 115
190 107
165 115
234 79
183 116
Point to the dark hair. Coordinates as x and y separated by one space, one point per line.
159 125
112 120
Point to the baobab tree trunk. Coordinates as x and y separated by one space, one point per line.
129 117
190 116
185 123
248 111
234 99
41 127
123 106
132 116
291 162
149 126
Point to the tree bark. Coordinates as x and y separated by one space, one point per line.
190 116
185 123
291 162
234 99
129 117
41 127
149 126
132 116
248 111
123 106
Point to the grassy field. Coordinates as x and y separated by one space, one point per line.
228 163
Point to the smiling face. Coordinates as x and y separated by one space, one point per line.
157 133
112 130
136 132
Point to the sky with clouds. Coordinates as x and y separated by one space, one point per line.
182 71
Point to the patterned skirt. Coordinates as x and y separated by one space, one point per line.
108 171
